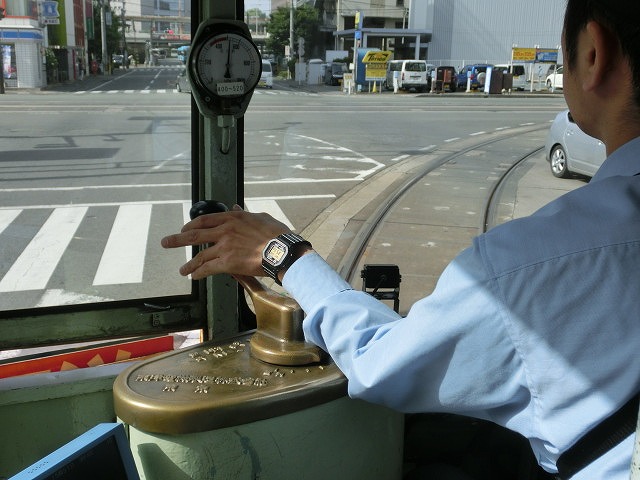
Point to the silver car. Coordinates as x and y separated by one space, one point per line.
569 150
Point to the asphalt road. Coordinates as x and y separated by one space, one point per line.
93 174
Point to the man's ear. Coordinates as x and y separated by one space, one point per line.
599 51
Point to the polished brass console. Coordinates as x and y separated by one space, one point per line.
264 404
269 372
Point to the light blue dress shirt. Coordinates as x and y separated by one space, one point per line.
535 327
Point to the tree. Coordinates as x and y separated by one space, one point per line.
114 34
306 23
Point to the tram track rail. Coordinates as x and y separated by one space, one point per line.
379 205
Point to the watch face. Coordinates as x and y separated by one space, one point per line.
228 65
276 252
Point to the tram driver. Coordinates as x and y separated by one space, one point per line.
535 325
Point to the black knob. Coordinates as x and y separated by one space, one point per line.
203 207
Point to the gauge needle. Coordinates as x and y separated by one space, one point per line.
228 71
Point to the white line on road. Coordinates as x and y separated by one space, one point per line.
123 257
159 202
36 264
6 217
269 206
165 185
186 207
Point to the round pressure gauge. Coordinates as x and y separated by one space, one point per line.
227 65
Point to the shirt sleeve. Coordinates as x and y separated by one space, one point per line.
451 353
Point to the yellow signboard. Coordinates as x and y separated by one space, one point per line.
523 54
375 71
377 57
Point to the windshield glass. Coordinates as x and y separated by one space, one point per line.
96 167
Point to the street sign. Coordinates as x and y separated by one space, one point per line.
523 54
534 55
547 55
377 56
375 71
49 13
50 9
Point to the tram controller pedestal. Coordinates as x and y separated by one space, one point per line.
262 405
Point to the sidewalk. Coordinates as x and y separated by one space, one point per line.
87 83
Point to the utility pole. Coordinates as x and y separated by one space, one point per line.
293 6
124 39
85 53
103 34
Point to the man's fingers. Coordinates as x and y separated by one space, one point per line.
201 265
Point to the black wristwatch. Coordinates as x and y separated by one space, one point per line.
280 253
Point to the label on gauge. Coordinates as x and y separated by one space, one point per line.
230 88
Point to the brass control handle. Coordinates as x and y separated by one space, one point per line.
279 338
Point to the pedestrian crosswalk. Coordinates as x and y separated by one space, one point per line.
119 253
156 91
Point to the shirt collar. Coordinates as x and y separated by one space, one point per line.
625 161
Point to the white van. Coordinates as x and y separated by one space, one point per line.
519 74
266 79
410 74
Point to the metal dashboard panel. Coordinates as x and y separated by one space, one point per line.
216 385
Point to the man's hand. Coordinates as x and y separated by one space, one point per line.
234 241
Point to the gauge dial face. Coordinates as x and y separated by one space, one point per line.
228 65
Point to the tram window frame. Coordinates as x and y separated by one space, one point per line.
60 325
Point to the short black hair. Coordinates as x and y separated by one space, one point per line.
620 17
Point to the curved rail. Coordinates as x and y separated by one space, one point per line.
352 258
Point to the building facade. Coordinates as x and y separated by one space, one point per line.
452 32
475 31
22 41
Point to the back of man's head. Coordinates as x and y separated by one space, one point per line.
620 17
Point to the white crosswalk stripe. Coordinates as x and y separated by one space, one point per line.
123 257
36 264
6 217
270 206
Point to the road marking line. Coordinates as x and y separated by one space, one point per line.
476 133
159 202
451 139
164 185
123 257
56 297
401 157
269 206
92 187
6 217
186 208
34 267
